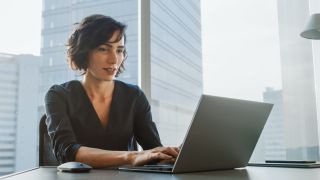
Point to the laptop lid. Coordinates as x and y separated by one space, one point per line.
222 134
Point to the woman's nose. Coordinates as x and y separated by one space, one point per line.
112 58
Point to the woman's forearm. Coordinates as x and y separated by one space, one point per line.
99 158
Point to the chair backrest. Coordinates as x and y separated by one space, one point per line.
133 145
46 156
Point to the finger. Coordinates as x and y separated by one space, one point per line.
171 151
160 156
177 149
167 161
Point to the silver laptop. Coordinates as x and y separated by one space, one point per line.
222 135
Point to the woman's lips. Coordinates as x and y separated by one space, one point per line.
110 70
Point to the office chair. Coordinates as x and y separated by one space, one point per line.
133 145
46 156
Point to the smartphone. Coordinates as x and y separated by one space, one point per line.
289 161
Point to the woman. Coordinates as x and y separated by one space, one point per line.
92 121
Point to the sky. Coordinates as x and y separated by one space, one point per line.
241 55
20 31
239 41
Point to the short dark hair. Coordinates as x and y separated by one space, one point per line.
89 34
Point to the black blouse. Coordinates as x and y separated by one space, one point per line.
72 120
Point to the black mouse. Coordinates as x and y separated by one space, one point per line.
74 167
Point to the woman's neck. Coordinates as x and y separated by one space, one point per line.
98 89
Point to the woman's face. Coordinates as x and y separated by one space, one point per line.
105 60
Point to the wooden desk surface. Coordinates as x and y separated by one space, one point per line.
249 173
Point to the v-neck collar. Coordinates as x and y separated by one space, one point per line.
87 101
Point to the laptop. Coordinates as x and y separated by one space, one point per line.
221 135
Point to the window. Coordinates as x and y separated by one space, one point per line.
255 52
176 66
242 49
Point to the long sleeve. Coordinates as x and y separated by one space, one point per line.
73 122
62 136
145 130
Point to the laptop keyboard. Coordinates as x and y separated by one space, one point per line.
167 167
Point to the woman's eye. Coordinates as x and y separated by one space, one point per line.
103 49
120 51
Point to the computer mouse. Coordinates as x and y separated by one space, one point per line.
74 167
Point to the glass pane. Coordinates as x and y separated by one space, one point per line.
19 74
253 50
245 49
176 66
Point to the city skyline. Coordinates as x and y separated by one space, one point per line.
212 60
257 62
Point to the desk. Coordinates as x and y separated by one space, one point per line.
249 173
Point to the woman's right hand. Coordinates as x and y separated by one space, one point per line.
159 154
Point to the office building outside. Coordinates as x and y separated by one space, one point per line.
314 7
176 59
176 66
298 80
271 144
274 131
18 112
